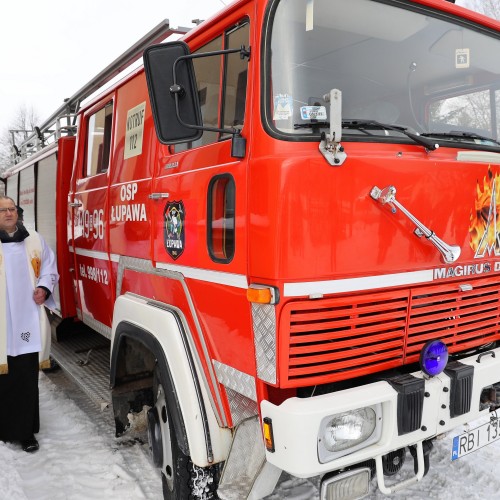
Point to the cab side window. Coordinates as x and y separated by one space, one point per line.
99 140
222 84
208 80
235 87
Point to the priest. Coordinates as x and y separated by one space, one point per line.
28 274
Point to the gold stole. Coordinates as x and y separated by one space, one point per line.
33 248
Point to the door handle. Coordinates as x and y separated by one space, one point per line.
158 196
75 204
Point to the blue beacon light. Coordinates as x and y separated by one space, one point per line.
433 357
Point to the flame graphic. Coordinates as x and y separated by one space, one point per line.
486 212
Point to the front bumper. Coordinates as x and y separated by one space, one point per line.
296 421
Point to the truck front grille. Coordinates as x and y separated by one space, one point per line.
334 339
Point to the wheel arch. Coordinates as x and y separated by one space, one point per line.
161 331
125 332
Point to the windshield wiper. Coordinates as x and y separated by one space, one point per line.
459 134
311 124
373 124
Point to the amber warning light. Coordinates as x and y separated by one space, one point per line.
261 295
268 434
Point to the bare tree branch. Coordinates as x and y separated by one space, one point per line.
21 127
489 7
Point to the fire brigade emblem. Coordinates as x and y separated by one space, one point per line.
173 231
484 227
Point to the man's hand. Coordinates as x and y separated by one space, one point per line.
39 296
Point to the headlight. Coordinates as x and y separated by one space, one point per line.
349 431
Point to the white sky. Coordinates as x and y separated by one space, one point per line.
50 49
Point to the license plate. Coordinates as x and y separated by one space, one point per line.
473 440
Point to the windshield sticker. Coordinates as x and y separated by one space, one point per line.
283 107
173 230
313 113
462 58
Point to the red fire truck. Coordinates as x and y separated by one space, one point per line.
284 228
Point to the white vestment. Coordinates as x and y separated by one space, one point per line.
24 326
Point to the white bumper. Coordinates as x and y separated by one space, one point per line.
296 421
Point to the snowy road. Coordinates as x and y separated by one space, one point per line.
79 458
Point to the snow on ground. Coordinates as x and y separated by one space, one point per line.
80 459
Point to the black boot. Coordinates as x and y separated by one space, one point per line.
30 445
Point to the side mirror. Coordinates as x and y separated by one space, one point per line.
173 92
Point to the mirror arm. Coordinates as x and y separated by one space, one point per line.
238 142
178 91
178 95
243 51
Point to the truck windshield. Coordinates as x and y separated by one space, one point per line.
404 66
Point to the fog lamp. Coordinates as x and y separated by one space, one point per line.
349 431
433 357
350 485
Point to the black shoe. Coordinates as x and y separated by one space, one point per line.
30 445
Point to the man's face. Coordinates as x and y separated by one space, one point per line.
8 215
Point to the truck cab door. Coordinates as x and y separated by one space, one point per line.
89 202
200 186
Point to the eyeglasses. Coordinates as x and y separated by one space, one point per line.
8 209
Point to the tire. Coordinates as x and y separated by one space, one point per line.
181 479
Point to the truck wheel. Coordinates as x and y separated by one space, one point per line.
181 479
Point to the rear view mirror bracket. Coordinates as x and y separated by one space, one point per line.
158 60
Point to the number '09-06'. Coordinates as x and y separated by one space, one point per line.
93 223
